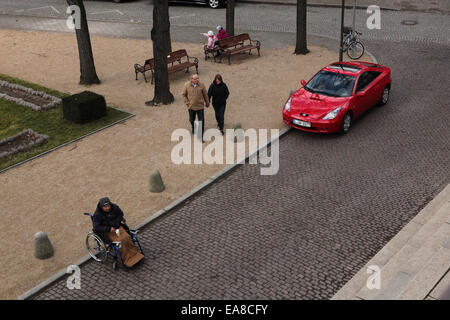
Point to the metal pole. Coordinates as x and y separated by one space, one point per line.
341 50
354 15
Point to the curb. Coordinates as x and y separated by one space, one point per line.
371 56
314 5
70 142
57 276
52 279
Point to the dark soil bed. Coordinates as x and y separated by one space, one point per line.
16 93
20 142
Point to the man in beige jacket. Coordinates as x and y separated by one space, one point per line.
195 98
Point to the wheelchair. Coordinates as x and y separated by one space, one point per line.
100 248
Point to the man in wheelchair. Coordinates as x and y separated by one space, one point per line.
109 224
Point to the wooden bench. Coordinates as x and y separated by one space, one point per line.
236 44
174 63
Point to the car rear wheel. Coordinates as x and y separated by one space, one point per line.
385 96
346 123
214 4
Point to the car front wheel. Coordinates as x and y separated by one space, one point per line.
385 96
346 123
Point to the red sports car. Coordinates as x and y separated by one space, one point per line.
337 95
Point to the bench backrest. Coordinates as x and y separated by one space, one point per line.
176 55
150 62
171 57
232 41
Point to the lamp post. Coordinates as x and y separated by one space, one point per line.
341 48
354 14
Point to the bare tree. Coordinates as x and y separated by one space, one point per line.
88 75
230 17
300 46
160 36
169 43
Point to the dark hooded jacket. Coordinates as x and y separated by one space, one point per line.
103 221
219 94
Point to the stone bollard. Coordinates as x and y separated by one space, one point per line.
156 183
43 248
238 132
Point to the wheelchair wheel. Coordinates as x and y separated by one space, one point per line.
96 247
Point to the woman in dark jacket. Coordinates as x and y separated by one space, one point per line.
219 93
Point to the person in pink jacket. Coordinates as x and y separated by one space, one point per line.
222 34
211 39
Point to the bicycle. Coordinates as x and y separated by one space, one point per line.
351 43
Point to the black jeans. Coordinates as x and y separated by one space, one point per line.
220 112
200 117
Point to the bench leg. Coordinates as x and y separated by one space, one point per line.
152 77
145 77
136 75
229 59
258 52
196 69
187 70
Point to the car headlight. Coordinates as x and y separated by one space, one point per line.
287 106
331 115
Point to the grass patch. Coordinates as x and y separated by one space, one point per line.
15 118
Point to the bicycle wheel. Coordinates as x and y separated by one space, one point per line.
355 50
96 247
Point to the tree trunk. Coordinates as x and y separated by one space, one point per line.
160 37
300 46
169 45
88 75
230 17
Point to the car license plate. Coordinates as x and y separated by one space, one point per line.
302 123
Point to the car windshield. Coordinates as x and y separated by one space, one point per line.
333 84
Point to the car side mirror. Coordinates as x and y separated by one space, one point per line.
303 82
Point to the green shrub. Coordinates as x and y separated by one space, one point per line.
84 107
